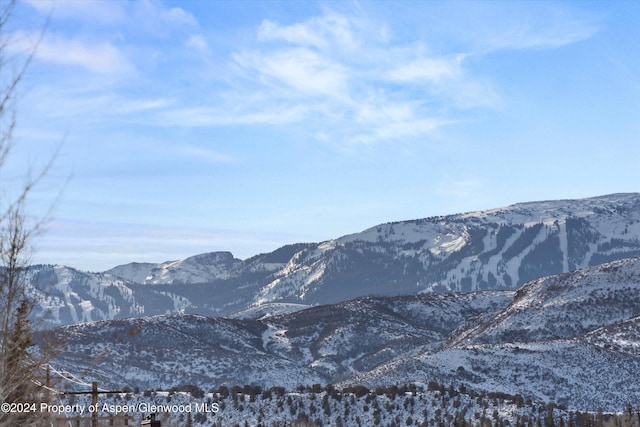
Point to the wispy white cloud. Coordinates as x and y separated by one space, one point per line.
525 25
401 130
427 70
99 56
143 14
115 40
328 31
173 16
299 34
300 69
340 73
216 116
198 42
445 79
96 11
90 105
380 119
527 35
358 85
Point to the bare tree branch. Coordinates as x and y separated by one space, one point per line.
21 362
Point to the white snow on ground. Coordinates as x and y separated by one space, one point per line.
564 245
267 310
86 307
275 339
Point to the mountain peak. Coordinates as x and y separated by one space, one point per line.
201 268
493 249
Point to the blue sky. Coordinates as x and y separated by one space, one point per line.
188 127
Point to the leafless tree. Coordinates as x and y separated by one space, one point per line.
21 373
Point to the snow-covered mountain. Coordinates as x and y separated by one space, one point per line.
564 306
571 338
316 345
66 296
196 269
494 249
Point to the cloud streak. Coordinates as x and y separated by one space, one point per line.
492 27
98 57
543 32
349 84
216 116
305 72
432 70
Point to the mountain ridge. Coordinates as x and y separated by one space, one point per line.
451 338
500 248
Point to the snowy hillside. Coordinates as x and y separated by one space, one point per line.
571 339
316 345
65 296
564 306
567 372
